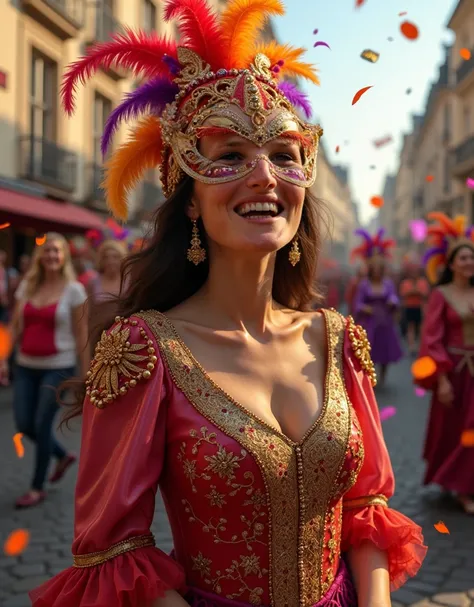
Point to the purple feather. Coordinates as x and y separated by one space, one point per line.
433 251
173 64
365 235
380 234
296 97
152 96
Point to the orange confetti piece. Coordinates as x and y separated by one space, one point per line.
359 3
429 178
403 13
377 201
423 367
16 542
40 240
20 450
5 342
337 149
4 225
465 53
467 438
359 94
409 30
441 527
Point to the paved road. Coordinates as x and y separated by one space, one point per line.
447 576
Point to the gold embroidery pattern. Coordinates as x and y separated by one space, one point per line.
361 346
368 500
308 469
97 558
114 369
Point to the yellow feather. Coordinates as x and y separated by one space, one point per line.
127 165
290 55
241 23
432 267
460 223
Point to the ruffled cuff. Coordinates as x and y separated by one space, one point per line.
132 579
391 532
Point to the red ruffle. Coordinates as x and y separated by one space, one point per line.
390 531
132 579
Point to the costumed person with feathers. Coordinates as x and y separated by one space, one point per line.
254 415
376 301
448 340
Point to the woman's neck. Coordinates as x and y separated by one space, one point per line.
111 277
461 283
53 278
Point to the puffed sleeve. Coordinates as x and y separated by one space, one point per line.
123 443
360 298
433 339
392 299
366 514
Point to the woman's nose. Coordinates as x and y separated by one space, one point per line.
262 176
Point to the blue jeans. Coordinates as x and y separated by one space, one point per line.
35 407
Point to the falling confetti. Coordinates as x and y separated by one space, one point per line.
377 201
418 229
321 43
429 178
16 542
390 39
401 14
4 225
337 149
419 391
359 3
315 31
465 53
378 143
409 30
359 94
40 240
423 367
5 342
372 166
408 91
467 438
441 527
370 55
20 450
387 413
470 183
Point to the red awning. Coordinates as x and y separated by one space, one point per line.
26 210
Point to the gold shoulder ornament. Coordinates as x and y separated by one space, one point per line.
115 366
361 346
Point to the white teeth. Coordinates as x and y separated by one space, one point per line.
257 206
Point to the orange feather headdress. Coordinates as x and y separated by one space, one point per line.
218 66
444 237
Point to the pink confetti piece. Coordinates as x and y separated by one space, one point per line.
420 391
321 43
418 229
387 413
470 183
315 31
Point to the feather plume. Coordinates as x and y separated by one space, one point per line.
290 56
296 97
379 236
152 96
139 52
199 28
445 222
460 224
432 266
241 23
143 151
365 235
359 252
428 254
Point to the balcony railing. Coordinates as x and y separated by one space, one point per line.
152 196
465 69
46 162
73 10
464 152
62 17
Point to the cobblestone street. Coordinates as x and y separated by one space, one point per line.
447 576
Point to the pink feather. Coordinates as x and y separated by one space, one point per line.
137 51
199 28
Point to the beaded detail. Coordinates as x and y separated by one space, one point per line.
97 558
366 500
361 346
115 366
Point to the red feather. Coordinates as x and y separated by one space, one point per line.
199 28
136 51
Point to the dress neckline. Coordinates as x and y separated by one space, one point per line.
299 443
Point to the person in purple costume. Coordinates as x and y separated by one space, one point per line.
376 301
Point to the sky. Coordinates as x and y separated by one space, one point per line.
386 108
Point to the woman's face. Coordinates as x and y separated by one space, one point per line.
111 260
463 263
377 268
258 213
52 256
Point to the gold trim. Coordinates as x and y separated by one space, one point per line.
367 500
97 558
361 347
296 527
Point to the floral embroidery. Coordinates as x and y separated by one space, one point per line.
361 347
223 463
215 498
202 564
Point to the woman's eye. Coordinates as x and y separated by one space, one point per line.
231 156
286 157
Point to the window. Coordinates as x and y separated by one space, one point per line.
467 120
43 97
447 173
149 16
102 110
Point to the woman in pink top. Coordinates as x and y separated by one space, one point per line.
50 329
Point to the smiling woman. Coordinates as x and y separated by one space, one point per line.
217 382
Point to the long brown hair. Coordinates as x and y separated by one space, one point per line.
160 277
447 274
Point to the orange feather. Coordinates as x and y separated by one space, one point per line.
241 24
290 55
125 168
432 267
444 221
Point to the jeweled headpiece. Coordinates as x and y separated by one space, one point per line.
219 79
373 246
444 237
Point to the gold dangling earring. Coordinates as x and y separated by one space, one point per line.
196 253
294 255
